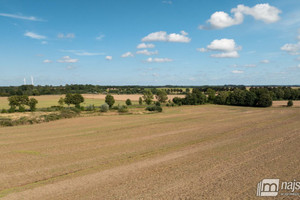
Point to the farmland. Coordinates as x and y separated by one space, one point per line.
90 99
187 152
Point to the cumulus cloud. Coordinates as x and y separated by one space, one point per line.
127 54
237 71
263 12
47 61
226 48
108 57
265 61
145 46
30 18
162 36
292 49
146 52
67 59
66 36
44 42
158 60
34 35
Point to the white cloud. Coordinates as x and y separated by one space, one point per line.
262 12
146 52
167 2
83 53
44 42
34 35
31 18
67 36
265 61
231 54
202 49
100 37
227 48
145 45
127 54
292 49
158 60
250 65
70 67
237 71
47 61
183 33
220 20
67 59
108 57
162 36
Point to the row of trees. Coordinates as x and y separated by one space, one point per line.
277 93
21 102
260 97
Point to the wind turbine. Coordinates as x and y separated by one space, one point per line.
32 80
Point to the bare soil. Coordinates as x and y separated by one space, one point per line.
188 152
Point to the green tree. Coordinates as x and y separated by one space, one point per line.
18 101
264 100
74 99
61 102
77 100
128 102
222 98
32 104
161 96
211 95
104 107
148 97
140 101
109 99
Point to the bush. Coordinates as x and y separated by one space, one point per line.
122 109
6 122
104 107
90 108
290 103
3 111
128 102
157 103
154 108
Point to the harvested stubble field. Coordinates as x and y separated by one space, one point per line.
188 152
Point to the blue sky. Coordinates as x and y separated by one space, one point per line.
181 42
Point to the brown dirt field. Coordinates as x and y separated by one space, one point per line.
188 152
284 103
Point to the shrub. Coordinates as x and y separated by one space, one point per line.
157 103
290 103
3 111
90 108
128 102
104 107
6 122
154 108
122 109
32 104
